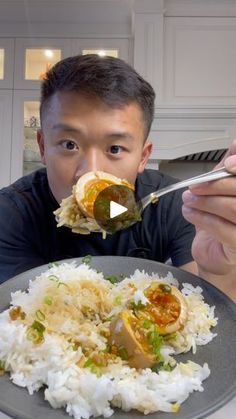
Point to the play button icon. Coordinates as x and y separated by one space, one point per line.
115 208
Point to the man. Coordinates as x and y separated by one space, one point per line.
96 114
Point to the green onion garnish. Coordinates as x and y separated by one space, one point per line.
35 332
87 259
39 327
111 278
123 353
48 300
147 324
166 288
88 363
138 306
166 367
53 278
156 367
40 315
53 264
62 283
33 335
156 341
118 300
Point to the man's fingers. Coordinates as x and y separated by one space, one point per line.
230 164
229 159
224 231
222 206
225 186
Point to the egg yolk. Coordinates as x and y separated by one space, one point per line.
164 307
91 191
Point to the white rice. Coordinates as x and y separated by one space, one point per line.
55 364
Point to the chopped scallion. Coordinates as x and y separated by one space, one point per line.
88 363
166 288
40 315
39 327
53 278
87 259
62 283
147 324
118 300
53 264
111 278
48 300
123 353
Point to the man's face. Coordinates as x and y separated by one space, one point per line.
81 134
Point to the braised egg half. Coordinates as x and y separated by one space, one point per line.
140 331
167 307
90 185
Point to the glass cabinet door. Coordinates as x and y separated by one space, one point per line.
31 155
25 156
34 57
102 52
114 47
39 61
6 63
5 136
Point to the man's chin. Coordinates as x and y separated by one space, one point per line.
60 196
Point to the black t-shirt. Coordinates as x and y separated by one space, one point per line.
29 235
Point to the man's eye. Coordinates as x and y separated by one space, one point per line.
69 145
115 149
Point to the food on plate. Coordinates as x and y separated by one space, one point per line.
139 329
62 335
91 184
77 210
128 333
167 307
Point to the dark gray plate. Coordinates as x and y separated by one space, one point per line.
220 354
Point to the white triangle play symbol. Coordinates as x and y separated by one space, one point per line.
116 209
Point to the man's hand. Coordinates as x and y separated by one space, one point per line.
211 207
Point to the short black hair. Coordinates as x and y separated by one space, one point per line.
109 79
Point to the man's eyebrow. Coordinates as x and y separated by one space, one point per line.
66 127
120 135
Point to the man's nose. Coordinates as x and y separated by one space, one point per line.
92 162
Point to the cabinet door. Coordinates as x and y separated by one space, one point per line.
6 63
5 136
34 57
25 157
116 47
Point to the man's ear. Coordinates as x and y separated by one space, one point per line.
147 149
40 140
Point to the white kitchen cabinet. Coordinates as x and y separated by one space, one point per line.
6 63
5 136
